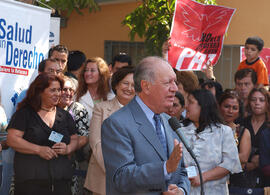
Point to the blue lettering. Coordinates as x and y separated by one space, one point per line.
16 55
21 35
40 58
28 35
35 58
10 33
16 30
29 58
9 53
3 34
20 57
24 63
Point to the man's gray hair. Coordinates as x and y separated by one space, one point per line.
145 70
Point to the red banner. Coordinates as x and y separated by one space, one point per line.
265 55
11 70
197 34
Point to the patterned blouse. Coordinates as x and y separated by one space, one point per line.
80 116
212 147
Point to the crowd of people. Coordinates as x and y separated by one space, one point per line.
87 127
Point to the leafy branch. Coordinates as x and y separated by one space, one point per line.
68 6
152 21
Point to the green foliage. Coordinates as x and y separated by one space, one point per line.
152 21
68 6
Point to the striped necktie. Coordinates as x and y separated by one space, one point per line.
159 132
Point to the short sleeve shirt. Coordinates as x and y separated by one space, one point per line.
36 130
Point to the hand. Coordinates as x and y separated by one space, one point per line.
166 46
46 152
173 190
60 148
255 160
209 73
195 181
175 157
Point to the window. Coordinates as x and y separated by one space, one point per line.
136 50
226 67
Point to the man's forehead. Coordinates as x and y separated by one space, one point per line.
245 79
52 65
57 53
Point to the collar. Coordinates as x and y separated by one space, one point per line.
147 111
250 63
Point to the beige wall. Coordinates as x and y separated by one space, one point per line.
251 18
88 32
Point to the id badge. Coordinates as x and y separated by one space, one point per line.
55 137
191 171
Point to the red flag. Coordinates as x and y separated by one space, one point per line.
265 55
197 34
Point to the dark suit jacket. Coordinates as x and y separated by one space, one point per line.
133 155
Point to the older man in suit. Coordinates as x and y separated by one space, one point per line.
141 152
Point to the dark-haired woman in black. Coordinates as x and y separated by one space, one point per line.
43 136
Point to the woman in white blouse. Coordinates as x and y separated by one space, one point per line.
212 142
93 84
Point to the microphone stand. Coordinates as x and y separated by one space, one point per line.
200 174
175 125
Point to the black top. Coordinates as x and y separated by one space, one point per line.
265 154
255 139
36 131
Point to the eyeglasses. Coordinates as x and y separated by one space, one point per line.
53 71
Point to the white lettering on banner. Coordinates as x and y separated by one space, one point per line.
196 58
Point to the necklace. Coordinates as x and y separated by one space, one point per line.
48 110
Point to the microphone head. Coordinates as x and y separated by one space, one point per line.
174 123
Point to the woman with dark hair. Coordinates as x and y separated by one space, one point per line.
42 136
178 106
213 86
123 87
93 84
258 106
230 107
212 142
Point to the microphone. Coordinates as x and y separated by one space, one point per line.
175 125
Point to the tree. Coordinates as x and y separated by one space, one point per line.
67 6
152 21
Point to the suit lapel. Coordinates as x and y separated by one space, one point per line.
146 128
